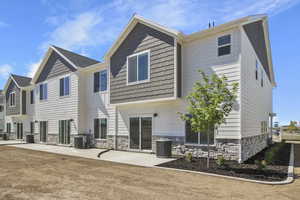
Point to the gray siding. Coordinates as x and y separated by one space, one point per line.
16 109
255 33
161 83
55 66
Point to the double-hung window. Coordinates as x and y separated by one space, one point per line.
138 67
12 99
100 81
43 91
256 69
100 128
64 86
224 45
201 138
32 97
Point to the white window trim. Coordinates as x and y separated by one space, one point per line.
43 100
223 45
68 95
136 54
11 93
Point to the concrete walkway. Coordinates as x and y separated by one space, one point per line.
9 142
132 158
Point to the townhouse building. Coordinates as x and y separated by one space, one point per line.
132 98
2 113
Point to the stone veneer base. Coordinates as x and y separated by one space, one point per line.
231 149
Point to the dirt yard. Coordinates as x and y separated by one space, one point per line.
26 174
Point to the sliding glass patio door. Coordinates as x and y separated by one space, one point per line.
43 131
64 131
140 133
19 130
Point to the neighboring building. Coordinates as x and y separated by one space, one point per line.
133 98
2 113
17 109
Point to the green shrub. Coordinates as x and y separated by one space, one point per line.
220 161
272 153
270 156
189 157
261 164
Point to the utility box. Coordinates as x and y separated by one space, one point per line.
80 142
29 138
164 148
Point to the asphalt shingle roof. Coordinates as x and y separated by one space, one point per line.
22 81
78 60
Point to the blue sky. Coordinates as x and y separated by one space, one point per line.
90 26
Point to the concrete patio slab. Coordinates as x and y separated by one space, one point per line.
132 158
10 142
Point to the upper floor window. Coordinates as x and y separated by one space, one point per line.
224 45
1 108
138 67
256 70
32 97
43 91
64 86
100 81
12 99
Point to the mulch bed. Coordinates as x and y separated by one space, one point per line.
273 172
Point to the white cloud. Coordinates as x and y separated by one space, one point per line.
96 27
5 71
3 24
32 68
249 7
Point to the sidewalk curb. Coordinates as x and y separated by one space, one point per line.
289 179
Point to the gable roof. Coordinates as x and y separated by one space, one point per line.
129 27
22 81
74 59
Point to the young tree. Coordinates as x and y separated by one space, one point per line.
292 127
209 103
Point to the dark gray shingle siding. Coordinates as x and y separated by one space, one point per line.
255 33
13 110
161 83
55 66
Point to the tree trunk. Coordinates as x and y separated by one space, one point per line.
207 146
